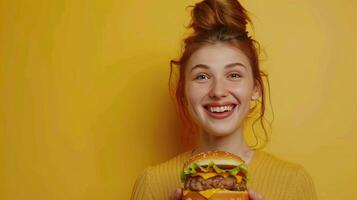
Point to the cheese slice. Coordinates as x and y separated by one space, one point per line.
208 193
206 175
239 179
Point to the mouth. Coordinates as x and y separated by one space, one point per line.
220 112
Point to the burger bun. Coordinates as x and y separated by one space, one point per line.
219 195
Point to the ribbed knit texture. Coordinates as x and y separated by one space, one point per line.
274 178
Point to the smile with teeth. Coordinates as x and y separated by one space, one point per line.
220 112
221 109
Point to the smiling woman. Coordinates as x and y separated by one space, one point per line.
218 79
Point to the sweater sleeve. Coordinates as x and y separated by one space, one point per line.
141 189
303 186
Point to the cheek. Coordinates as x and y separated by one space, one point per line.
242 91
195 94
194 98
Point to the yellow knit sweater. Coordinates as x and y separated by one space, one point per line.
274 178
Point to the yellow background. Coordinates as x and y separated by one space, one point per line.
84 102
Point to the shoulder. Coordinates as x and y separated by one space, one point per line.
267 166
161 179
141 189
284 174
267 160
294 170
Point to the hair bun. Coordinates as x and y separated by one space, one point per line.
209 15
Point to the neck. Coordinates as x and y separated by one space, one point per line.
233 143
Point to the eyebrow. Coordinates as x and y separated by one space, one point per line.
225 67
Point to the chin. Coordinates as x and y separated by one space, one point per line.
220 132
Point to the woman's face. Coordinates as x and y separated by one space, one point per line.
219 88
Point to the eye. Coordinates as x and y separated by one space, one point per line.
235 75
201 77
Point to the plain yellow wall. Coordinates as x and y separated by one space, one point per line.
84 102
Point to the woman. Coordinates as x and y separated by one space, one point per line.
219 78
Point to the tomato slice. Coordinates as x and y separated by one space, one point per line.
199 170
226 166
241 174
209 170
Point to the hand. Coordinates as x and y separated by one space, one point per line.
253 195
177 195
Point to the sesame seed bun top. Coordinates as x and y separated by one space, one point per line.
218 157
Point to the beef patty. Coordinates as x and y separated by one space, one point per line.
197 183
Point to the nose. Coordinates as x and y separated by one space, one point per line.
218 89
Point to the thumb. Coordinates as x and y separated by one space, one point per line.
177 195
253 195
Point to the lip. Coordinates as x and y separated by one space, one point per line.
220 115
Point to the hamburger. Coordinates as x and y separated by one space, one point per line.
214 175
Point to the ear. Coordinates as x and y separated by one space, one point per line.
256 91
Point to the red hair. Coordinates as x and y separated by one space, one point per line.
216 21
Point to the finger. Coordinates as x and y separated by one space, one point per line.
251 194
251 191
254 195
176 195
260 197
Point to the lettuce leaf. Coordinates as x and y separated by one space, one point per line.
234 171
192 170
217 169
204 169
